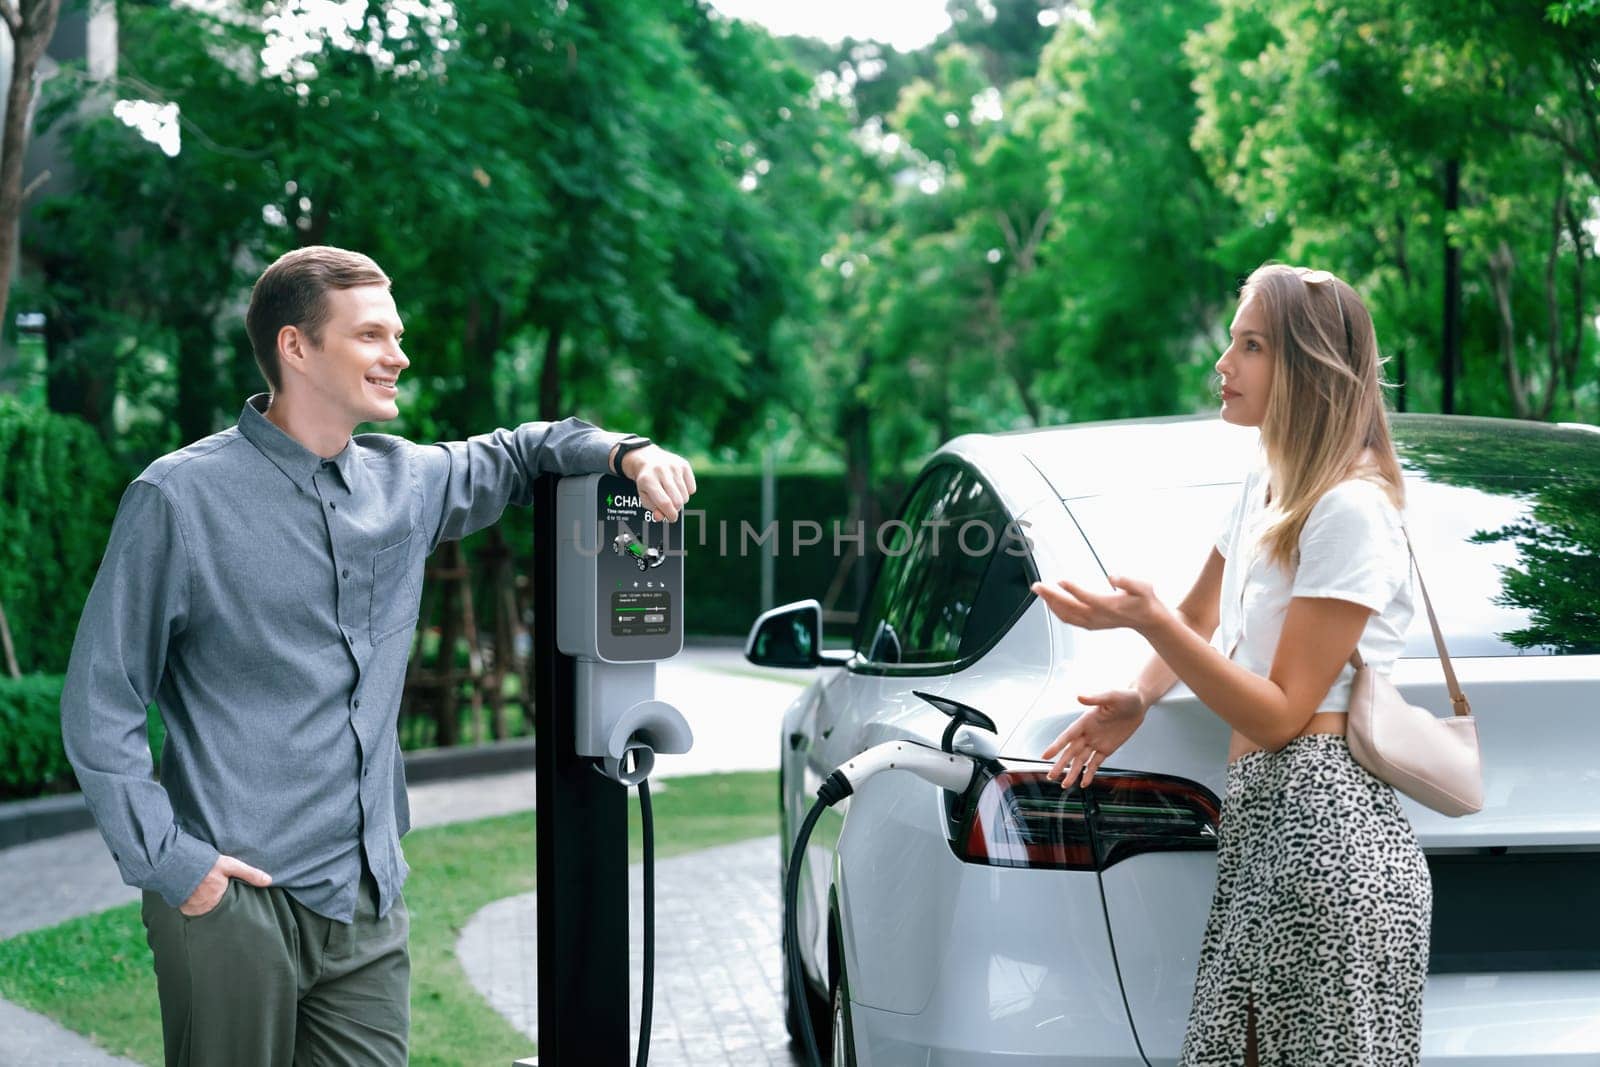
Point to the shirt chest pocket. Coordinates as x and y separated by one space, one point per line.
395 598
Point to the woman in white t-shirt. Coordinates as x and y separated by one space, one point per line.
1316 948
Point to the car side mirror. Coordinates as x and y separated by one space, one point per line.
790 636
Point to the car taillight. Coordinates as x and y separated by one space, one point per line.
1021 819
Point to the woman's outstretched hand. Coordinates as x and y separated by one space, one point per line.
1134 604
1112 718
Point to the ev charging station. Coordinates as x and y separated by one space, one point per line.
608 596
608 605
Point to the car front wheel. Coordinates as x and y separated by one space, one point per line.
844 1037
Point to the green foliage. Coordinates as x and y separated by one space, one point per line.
32 759
58 493
1332 127
1563 13
31 756
1558 579
1136 253
725 582
668 222
584 207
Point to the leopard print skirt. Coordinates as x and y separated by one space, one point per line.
1320 918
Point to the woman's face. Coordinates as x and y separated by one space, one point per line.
1246 366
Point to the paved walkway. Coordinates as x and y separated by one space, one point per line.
719 984
733 708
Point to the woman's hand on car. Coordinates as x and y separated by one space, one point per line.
1112 718
1133 605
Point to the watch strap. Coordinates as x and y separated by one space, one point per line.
628 444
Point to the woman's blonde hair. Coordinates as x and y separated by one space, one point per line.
1325 407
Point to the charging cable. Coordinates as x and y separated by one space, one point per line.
647 835
947 770
647 993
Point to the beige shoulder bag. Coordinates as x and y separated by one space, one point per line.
1433 761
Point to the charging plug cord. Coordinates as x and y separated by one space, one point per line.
647 993
647 835
947 770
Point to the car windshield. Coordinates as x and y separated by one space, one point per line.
1505 523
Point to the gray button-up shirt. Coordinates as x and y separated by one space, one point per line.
265 599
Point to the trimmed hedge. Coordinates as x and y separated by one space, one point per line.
59 490
724 583
31 757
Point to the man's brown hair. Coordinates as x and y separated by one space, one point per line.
293 292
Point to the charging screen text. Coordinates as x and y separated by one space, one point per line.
637 612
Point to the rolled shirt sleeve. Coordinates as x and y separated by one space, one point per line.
470 483
1352 547
137 609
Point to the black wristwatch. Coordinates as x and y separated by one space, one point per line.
628 444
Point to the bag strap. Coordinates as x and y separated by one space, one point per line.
1458 699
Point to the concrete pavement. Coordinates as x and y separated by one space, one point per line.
719 983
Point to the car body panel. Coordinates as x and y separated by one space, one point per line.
1158 905
1032 983
1507 1020
881 880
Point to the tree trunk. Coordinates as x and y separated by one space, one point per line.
197 376
75 384
1450 350
857 427
1402 261
5 644
1575 349
1552 300
1502 266
550 376
31 24
477 411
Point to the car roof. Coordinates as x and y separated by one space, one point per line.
1096 458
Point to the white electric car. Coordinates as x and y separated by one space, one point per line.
1019 924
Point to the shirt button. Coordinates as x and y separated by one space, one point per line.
358 703
332 505
347 572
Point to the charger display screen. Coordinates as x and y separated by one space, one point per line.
639 570
638 612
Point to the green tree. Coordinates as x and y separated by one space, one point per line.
1334 128
1137 252
30 24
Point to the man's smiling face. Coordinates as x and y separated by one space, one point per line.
355 368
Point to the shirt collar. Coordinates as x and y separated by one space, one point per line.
291 457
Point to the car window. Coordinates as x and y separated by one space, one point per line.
947 582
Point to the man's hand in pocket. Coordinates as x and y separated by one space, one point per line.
215 883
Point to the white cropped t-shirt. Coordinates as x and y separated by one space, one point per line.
1352 547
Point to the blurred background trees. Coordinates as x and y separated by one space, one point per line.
831 255
670 220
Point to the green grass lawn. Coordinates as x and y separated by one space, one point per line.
94 974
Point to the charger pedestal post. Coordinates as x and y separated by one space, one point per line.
608 603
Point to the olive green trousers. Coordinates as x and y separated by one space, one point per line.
262 981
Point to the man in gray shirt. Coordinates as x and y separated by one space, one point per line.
261 585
